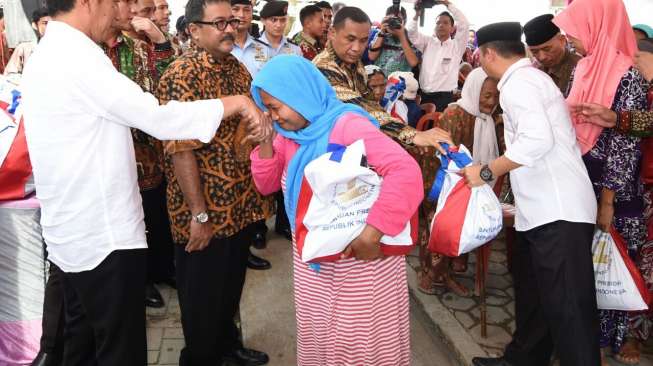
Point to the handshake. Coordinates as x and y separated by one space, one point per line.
259 123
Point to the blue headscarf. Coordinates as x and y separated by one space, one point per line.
644 28
299 84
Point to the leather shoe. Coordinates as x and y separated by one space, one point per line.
46 359
285 232
488 361
153 297
258 263
170 281
259 241
246 357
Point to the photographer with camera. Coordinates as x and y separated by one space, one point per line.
390 49
442 54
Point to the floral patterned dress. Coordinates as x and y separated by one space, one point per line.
614 164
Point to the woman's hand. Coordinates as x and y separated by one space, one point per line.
367 246
596 114
433 137
644 63
605 216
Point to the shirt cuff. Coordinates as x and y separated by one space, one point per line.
521 159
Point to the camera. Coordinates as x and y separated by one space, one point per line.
394 23
428 4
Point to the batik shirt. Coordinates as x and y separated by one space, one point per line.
562 73
143 63
224 166
350 84
310 46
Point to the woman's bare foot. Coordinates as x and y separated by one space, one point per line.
629 353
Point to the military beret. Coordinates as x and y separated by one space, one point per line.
504 31
540 30
241 2
274 9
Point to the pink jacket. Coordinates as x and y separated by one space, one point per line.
402 190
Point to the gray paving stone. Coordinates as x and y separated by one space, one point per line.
173 333
464 319
497 300
456 302
497 268
500 282
495 314
510 307
154 337
498 257
170 350
497 337
152 357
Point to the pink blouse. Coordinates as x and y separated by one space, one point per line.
402 189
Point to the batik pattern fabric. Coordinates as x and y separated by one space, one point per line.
562 73
350 84
614 163
231 197
310 46
392 57
143 63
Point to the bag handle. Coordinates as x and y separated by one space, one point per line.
459 158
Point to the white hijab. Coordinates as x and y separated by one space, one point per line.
485 146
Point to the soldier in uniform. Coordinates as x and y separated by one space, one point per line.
275 17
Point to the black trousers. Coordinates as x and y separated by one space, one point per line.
440 99
160 251
281 221
105 316
210 284
555 297
52 341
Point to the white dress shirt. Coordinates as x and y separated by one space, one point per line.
552 184
441 60
78 112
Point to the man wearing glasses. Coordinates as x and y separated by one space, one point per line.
212 202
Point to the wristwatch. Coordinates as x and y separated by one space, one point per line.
201 218
486 174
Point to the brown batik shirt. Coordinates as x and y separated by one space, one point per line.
350 84
562 73
226 179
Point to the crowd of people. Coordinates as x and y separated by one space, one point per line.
159 157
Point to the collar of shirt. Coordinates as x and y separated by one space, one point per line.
61 30
524 62
264 38
558 70
248 42
312 41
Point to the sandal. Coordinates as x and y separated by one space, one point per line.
426 285
458 266
454 286
630 353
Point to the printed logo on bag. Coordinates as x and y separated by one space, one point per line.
350 194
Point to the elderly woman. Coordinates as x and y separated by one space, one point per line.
355 310
607 79
475 121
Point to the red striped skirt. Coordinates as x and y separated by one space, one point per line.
352 313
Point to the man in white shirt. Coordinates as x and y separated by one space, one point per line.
77 123
553 274
441 54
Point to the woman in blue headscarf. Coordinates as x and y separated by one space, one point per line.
354 310
642 31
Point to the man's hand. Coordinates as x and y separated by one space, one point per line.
433 137
472 176
200 236
147 27
644 63
367 246
605 216
596 114
260 131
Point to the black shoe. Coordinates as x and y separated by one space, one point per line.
487 361
246 357
259 241
285 232
258 263
46 359
153 297
170 281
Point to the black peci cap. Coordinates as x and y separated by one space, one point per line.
505 31
540 30
274 9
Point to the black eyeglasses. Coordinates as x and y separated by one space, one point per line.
221 24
